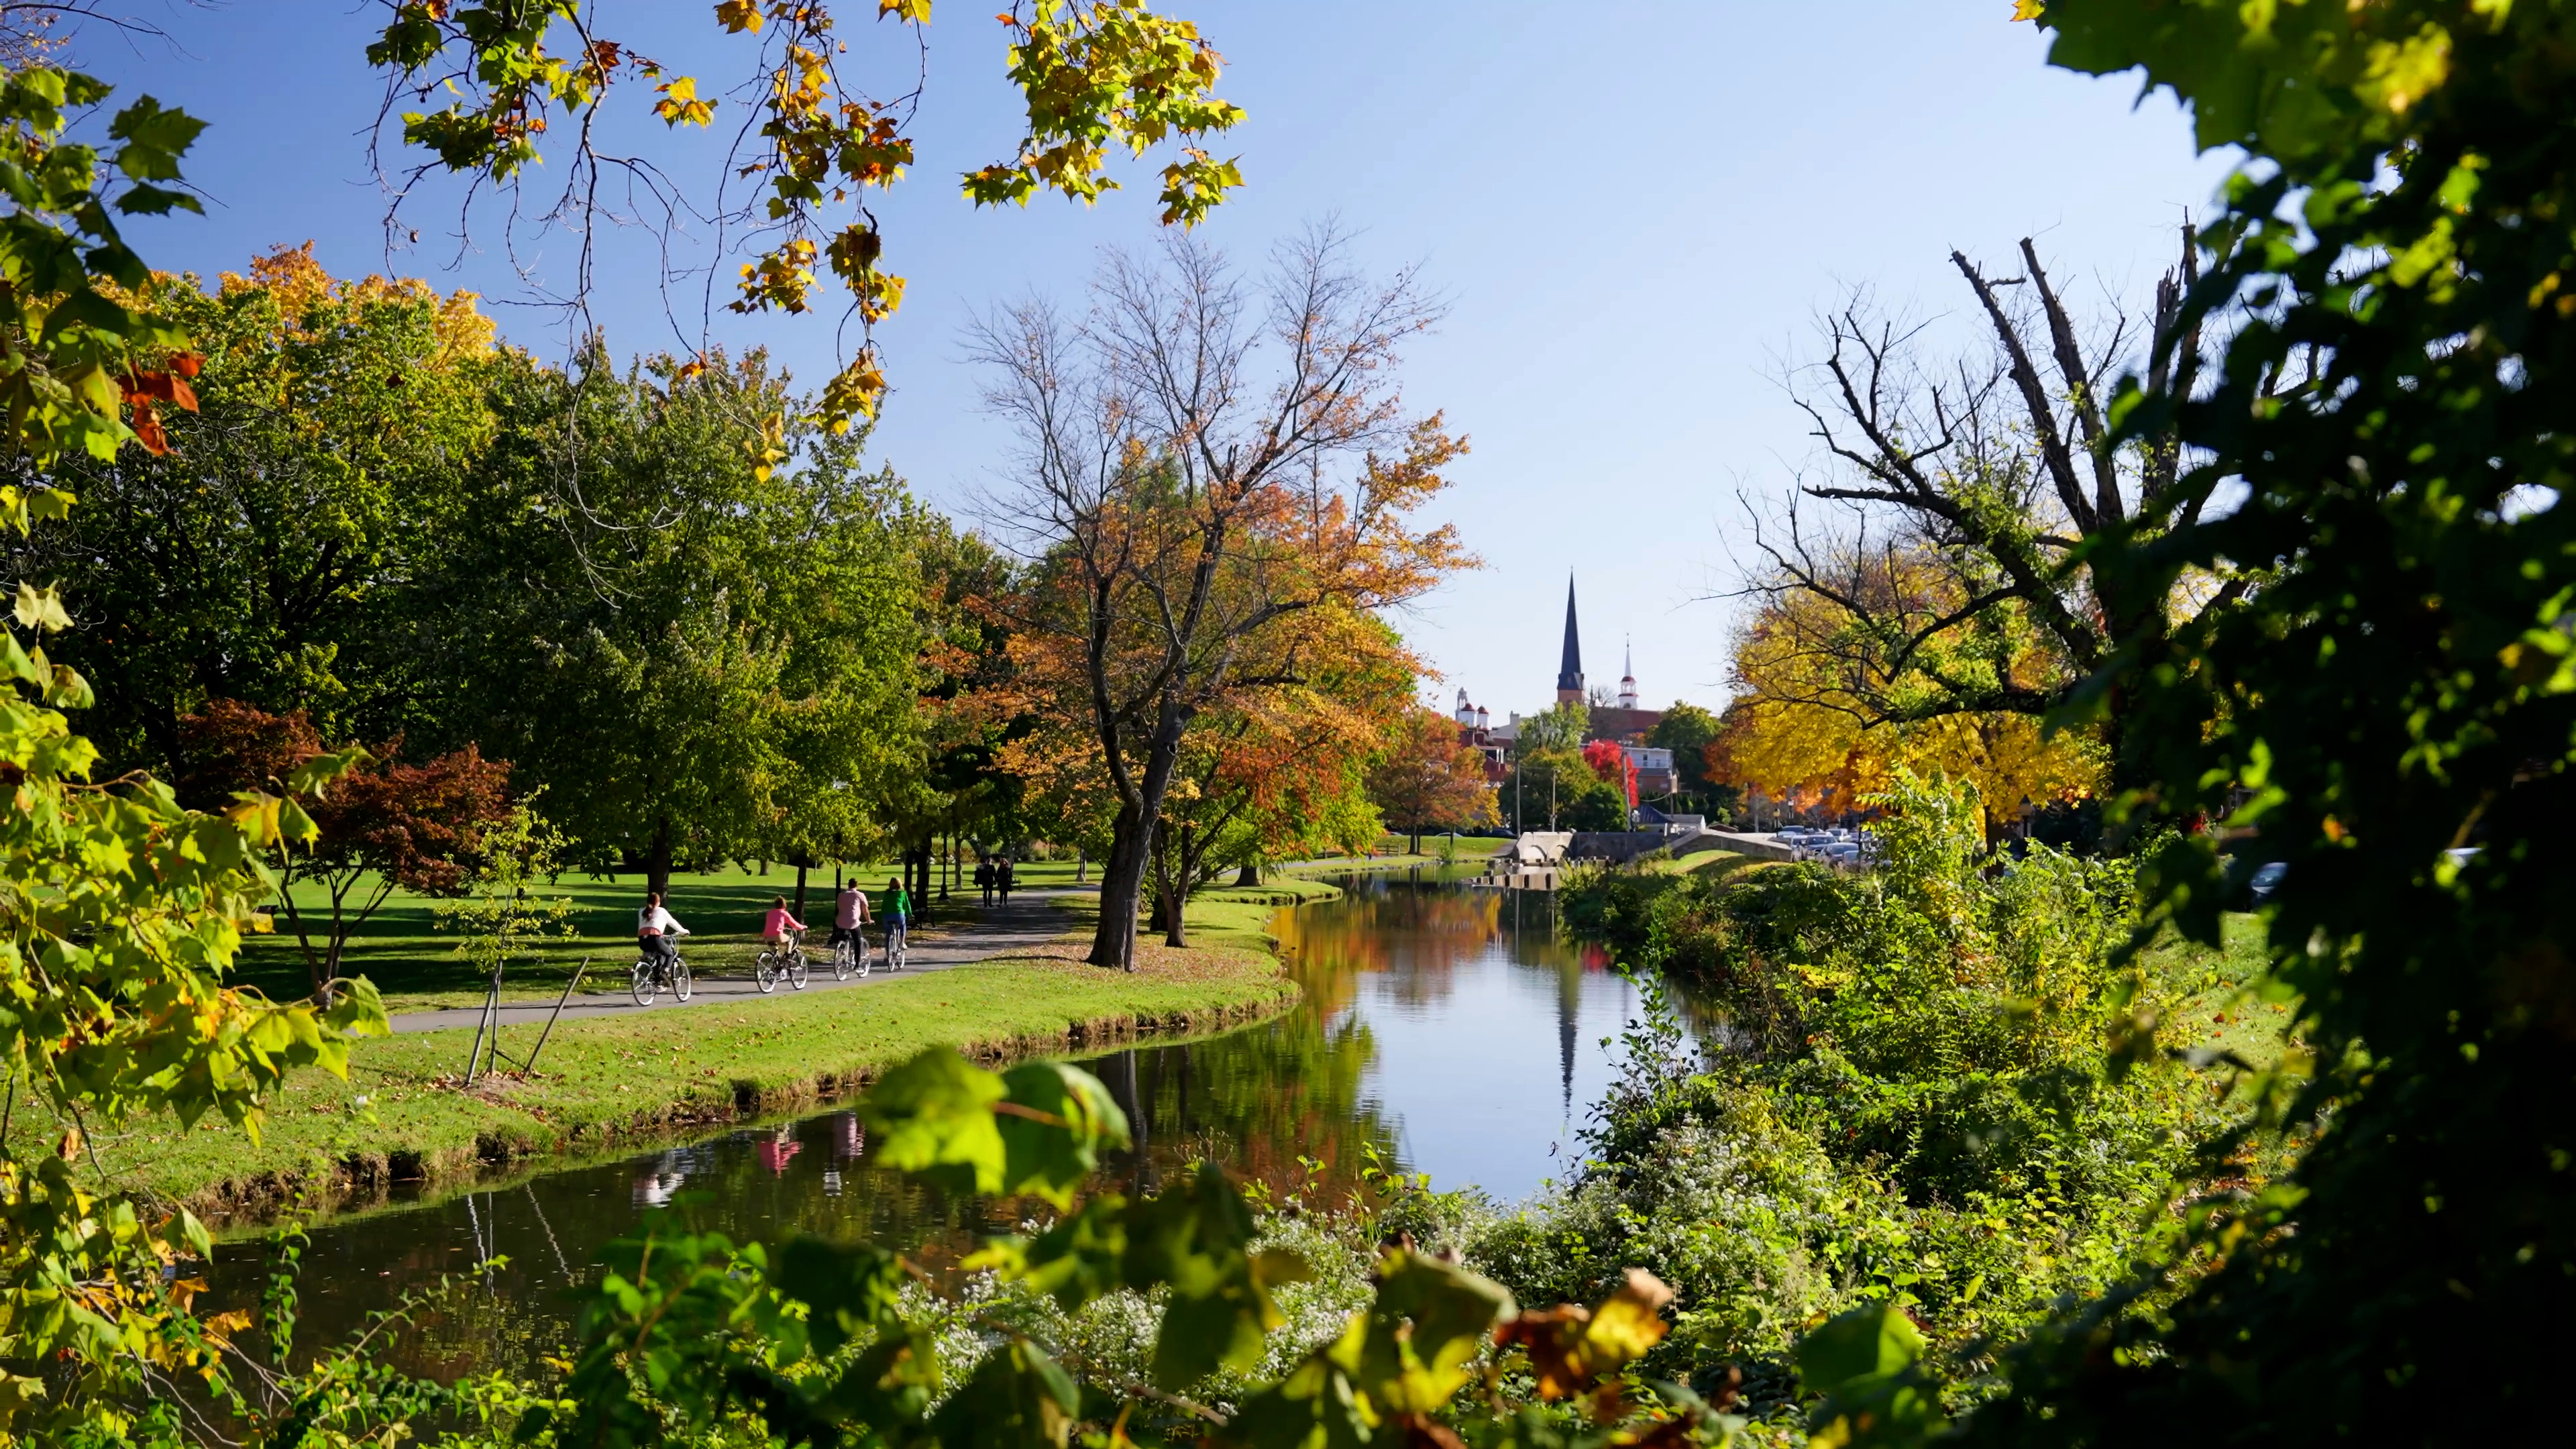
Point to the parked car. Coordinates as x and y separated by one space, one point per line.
2267 879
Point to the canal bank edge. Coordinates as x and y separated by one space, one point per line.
630 1082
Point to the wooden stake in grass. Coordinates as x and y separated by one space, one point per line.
558 1011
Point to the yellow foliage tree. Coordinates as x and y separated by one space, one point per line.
1799 730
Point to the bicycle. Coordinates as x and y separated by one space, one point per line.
650 974
850 955
895 934
784 960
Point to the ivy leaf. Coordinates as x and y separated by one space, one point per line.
1055 1120
1864 1362
933 1117
1192 1240
850 1287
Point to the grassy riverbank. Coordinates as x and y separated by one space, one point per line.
650 1075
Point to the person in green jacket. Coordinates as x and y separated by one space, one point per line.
898 914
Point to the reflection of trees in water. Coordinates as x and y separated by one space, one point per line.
1417 937
1255 1101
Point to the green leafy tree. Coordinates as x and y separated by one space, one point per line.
1554 783
1688 730
729 634
2389 714
495 914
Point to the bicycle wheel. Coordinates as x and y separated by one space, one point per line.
679 979
797 971
641 983
765 972
841 960
859 950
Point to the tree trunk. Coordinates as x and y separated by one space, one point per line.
657 860
1176 884
1122 880
1131 845
1250 875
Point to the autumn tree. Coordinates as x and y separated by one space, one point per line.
517 85
262 556
1204 467
1799 727
1939 561
383 824
1280 769
1609 760
1429 779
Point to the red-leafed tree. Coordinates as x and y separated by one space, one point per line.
383 824
1609 759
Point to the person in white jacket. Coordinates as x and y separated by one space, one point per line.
657 932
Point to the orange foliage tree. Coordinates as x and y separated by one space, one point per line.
1213 477
1430 779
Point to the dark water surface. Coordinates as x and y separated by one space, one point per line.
1449 1030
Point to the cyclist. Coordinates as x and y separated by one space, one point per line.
898 914
850 917
657 933
780 921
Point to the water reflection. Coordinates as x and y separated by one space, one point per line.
1448 1029
1486 1026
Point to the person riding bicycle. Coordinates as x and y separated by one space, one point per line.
850 915
780 922
657 932
898 914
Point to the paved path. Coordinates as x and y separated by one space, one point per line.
1030 919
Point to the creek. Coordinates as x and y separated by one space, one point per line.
1443 1030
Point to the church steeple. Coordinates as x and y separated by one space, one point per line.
1569 672
1628 681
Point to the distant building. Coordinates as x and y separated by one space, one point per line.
1655 774
1475 727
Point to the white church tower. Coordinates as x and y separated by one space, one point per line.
1628 679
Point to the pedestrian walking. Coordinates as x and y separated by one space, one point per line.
984 877
1002 879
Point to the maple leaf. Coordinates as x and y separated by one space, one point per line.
738 16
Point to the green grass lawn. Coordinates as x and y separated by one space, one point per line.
610 1082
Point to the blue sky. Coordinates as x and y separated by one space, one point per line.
1634 209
